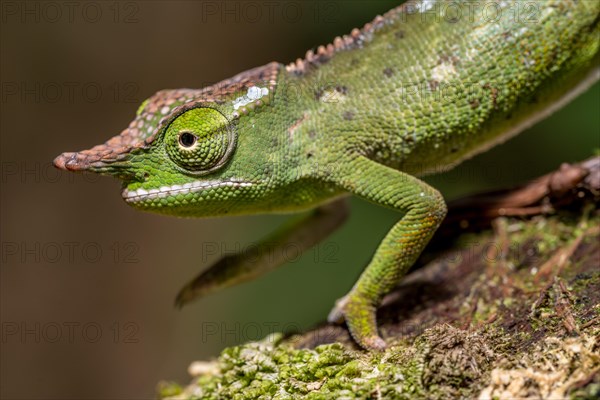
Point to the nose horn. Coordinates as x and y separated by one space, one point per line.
97 157
69 162
61 161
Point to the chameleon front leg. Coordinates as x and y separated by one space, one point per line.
423 208
302 233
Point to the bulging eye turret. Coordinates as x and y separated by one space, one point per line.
200 140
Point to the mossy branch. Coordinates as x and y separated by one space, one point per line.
511 310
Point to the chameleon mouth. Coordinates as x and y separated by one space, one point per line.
134 196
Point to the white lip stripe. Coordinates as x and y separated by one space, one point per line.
190 187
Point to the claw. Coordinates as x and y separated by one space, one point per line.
374 343
360 316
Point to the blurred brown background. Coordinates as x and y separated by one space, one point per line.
87 283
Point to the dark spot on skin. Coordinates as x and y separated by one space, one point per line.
318 94
493 91
446 58
312 133
348 115
341 89
399 35
323 58
474 103
494 96
388 72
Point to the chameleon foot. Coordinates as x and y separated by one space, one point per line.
360 317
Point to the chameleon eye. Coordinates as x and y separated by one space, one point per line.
187 139
200 140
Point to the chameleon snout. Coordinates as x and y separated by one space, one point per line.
64 161
70 162
84 161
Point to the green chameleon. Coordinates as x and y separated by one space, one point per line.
415 91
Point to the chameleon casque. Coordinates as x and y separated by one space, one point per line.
417 90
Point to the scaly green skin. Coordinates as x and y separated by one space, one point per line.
413 92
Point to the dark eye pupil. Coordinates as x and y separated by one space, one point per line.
187 139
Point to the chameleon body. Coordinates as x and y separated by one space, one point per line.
415 91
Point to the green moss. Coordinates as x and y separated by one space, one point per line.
279 371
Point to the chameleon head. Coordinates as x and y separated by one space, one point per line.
174 154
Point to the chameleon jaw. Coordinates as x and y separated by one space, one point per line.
141 194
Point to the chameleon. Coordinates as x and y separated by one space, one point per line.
419 89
